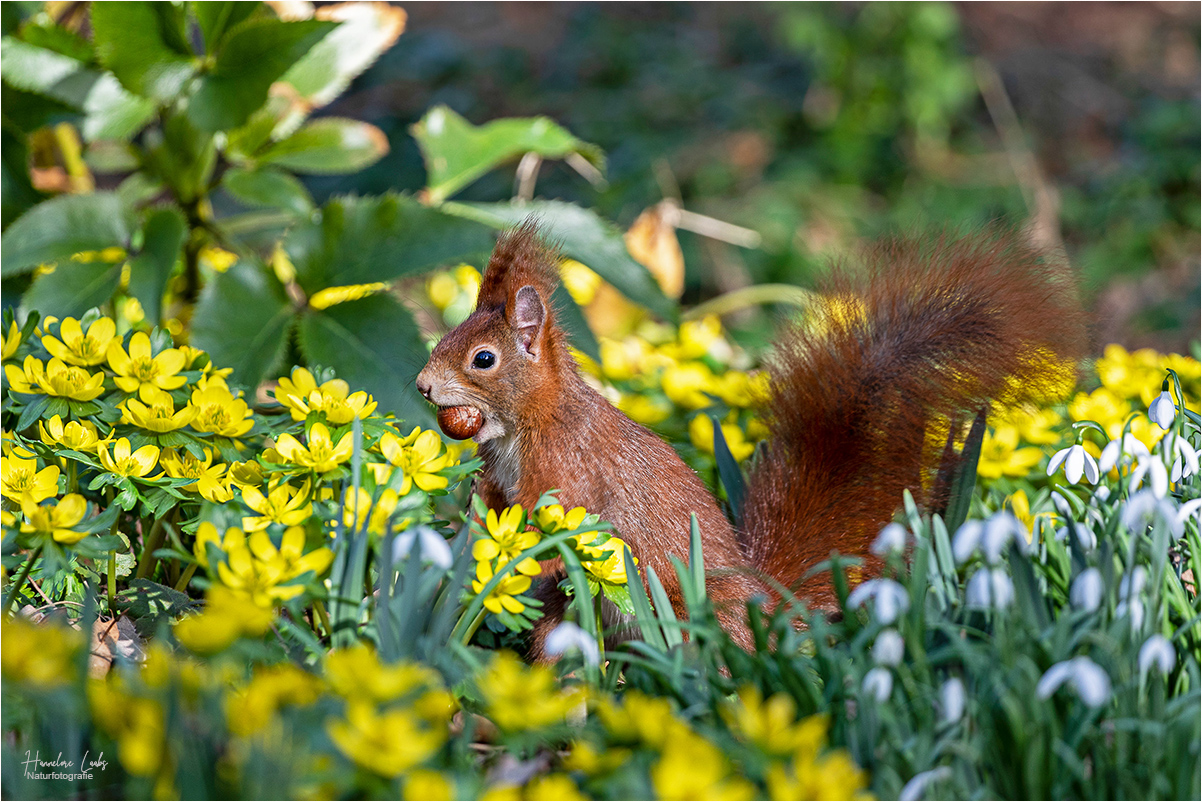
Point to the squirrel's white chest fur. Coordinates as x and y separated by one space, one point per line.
505 463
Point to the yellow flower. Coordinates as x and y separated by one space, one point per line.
1001 456
355 509
772 724
428 784
1020 505
24 379
418 456
697 336
42 656
552 518
1128 375
1102 406
611 569
832 776
57 379
1034 425
622 360
301 395
357 673
701 432
387 743
217 258
158 413
10 341
137 724
78 348
207 475
504 538
79 436
649 719
20 479
249 709
245 474
321 455
518 697
124 463
325 298
580 282
139 367
55 521
283 505
228 615
647 410
258 569
502 596
552 787
693 768
217 410
686 384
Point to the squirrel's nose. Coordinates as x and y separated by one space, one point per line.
423 387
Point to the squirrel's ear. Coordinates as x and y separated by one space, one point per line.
529 317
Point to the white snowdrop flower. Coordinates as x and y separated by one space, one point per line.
434 547
1185 458
1144 507
953 699
1132 609
914 789
891 598
878 683
891 540
967 538
1133 582
1153 468
568 636
1125 448
1163 410
889 648
1101 493
1077 462
989 587
1189 508
1157 652
1086 677
1061 503
1087 590
1085 536
1002 528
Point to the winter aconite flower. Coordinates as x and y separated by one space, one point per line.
209 483
387 743
552 518
518 697
77 348
1001 455
284 504
321 454
55 378
156 411
417 455
79 436
357 509
139 367
1086 677
10 341
20 479
1077 462
506 537
125 462
219 411
55 521
611 569
261 571
502 596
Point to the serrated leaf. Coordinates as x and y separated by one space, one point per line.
255 54
163 237
54 37
363 240
330 145
54 230
72 289
374 345
620 596
148 602
365 31
267 188
217 17
242 320
457 153
582 235
144 46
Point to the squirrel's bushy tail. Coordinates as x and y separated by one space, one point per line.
926 331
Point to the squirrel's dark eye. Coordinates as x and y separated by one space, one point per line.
484 360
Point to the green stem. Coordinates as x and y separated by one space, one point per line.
186 578
471 630
600 636
72 476
112 582
153 541
320 609
19 582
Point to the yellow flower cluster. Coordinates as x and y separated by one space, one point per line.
505 537
519 698
28 486
42 656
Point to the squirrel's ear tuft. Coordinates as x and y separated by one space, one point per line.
521 259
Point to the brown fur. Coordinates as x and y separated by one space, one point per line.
943 326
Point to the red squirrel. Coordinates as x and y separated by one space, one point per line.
926 330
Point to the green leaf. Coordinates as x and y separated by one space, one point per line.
148 603
571 317
164 233
374 345
457 153
48 35
144 46
364 240
217 17
267 188
365 31
72 289
729 472
330 145
582 235
56 229
964 478
242 320
254 55
620 596
17 194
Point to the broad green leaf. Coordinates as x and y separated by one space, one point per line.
163 236
363 240
242 320
217 17
254 55
55 229
72 289
457 152
57 38
365 31
374 345
17 194
267 188
330 145
109 111
583 236
571 317
143 44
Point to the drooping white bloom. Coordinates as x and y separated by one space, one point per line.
1077 462
1144 507
1189 508
953 699
434 548
891 540
1185 457
989 587
878 683
891 598
1085 535
889 648
917 784
1157 652
1163 410
1087 678
1130 604
568 636
1087 590
1001 529
1126 448
1152 468
967 538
